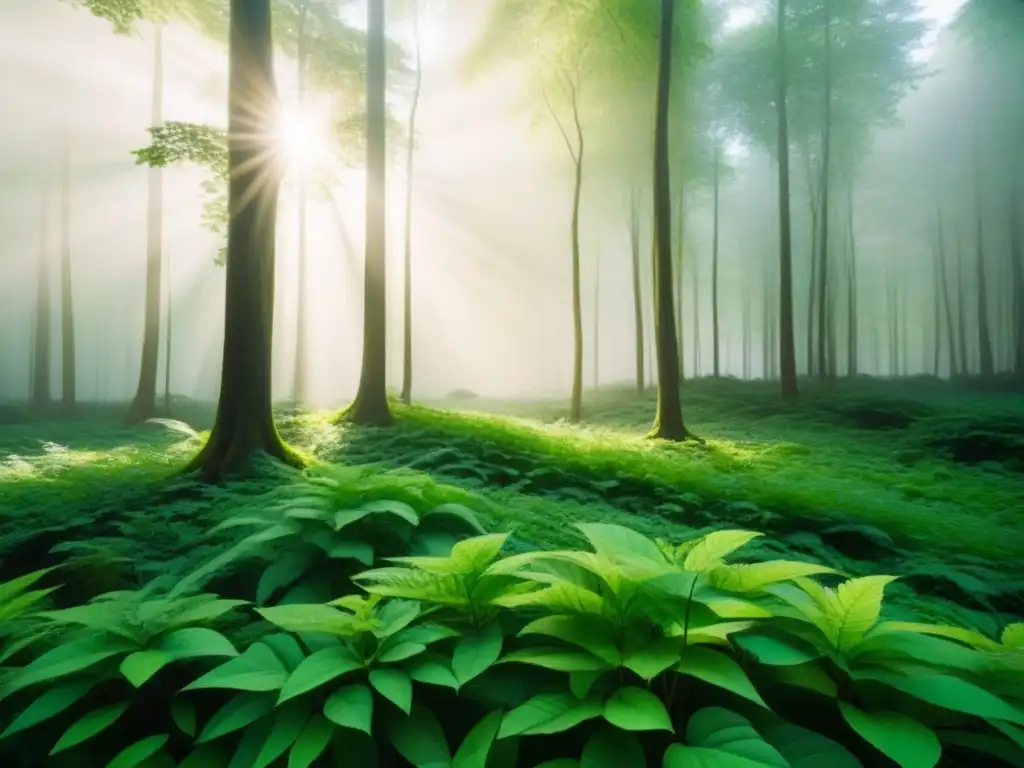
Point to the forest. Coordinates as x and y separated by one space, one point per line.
512 383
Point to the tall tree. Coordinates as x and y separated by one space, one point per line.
638 303
300 395
787 342
67 305
410 155
41 354
244 425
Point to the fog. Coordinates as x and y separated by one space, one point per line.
492 197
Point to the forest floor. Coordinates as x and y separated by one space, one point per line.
912 478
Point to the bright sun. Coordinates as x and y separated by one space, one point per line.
300 142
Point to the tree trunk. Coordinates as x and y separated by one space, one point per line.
694 264
940 256
1017 266
965 365
300 385
597 320
168 348
678 272
715 330
143 405
814 196
853 339
410 154
370 406
747 330
985 354
824 311
638 304
668 420
41 356
787 347
67 309
244 425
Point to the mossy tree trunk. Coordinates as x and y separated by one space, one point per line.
638 303
370 406
668 420
41 398
143 405
787 347
410 156
244 426
67 305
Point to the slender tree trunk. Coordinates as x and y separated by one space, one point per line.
410 155
678 267
370 406
41 358
597 320
745 316
853 317
814 195
300 386
823 254
961 294
638 304
67 313
694 262
668 420
168 348
715 329
936 318
244 425
940 255
576 404
787 348
143 405
1017 267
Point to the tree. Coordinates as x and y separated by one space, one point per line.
41 354
67 307
638 303
244 424
410 154
787 348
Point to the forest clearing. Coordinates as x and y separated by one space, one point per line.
512 384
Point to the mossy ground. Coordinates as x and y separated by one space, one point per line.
916 478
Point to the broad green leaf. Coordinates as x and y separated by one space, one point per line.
67 659
715 634
542 710
967 636
588 632
909 743
89 725
561 596
394 685
751 577
137 753
983 744
562 762
620 543
709 550
419 739
360 551
397 508
460 512
776 651
289 723
50 704
401 652
720 729
183 713
1012 732
855 607
635 709
288 567
719 670
319 668
206 756
195 642
286 647
1013 636
733 608
138 667
14 587
239 712
803 748
251 744
475 653
257 669
475 554
394 616
313 740
475 748
950 693
895 649
425 634
432 672
654 658
678 756
310 618
809 676
580 683
612 748
586 709
557 659
351 707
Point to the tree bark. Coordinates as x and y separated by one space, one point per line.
940 256
965 365
638 304
168 344
244 426
678 273
814 196
824 312
410 154
715 338
668 419
370 407
853 340
143 405
787 348
41 398
1017 265
67 309
300 384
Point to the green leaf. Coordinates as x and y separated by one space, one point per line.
351 707
854 610
206 756
588 632
137 753
557 659
654 658
419 738
183 713
288 726
709 550
620 543
475 653
678 756
611 748
809 676
286 647
561 762
985 743
719 670
460 512
67 659
475 554
397 508
803 748
1013 636
545 709
775 651
425 634
50 704
319 668
475 748
312 617
257 669
432 672
89 725
751 577
196 642
580 683
401 652
138 667
906 741
394 685
722 730
311 742
239 712
634 709
360 551
288 567
950 693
